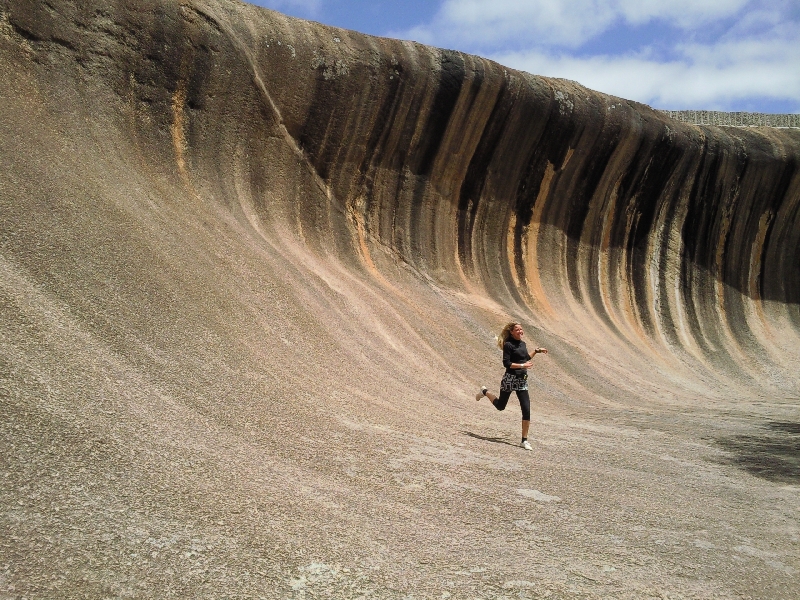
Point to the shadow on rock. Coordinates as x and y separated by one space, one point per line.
495 440
773 455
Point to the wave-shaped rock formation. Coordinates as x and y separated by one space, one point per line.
250 273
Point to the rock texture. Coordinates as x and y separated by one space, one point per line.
250 272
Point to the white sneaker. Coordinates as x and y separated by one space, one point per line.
481 394
526 445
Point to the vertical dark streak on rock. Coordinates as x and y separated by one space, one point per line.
778 198
452 76
604 142
665 315
780 274
323 126
549 146
400 162
647 197
451 79
523 133
382 126
473 185
474 80
695 232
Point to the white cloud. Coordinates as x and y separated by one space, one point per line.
686 14
543 20
709 54
560 23
708 77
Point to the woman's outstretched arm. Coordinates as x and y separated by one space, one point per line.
537 351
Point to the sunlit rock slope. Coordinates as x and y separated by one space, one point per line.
243 256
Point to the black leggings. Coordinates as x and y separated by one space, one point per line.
524 402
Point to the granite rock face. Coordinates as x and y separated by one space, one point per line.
226 232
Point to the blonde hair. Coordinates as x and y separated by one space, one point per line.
505 334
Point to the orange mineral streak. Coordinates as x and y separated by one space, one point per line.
531 241
510 238
177 130
356 218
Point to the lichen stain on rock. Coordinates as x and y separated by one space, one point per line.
330 67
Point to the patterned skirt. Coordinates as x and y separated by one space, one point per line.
514 383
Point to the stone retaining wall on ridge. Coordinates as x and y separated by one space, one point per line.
734 119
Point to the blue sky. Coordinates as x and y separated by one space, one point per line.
735 55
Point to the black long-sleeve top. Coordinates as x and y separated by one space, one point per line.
515 351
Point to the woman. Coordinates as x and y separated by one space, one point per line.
517 361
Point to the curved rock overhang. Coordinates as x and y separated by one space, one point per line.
595 217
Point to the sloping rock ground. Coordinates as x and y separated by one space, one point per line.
250 276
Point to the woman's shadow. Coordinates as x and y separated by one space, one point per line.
494 440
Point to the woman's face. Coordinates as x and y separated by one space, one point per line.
517 332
